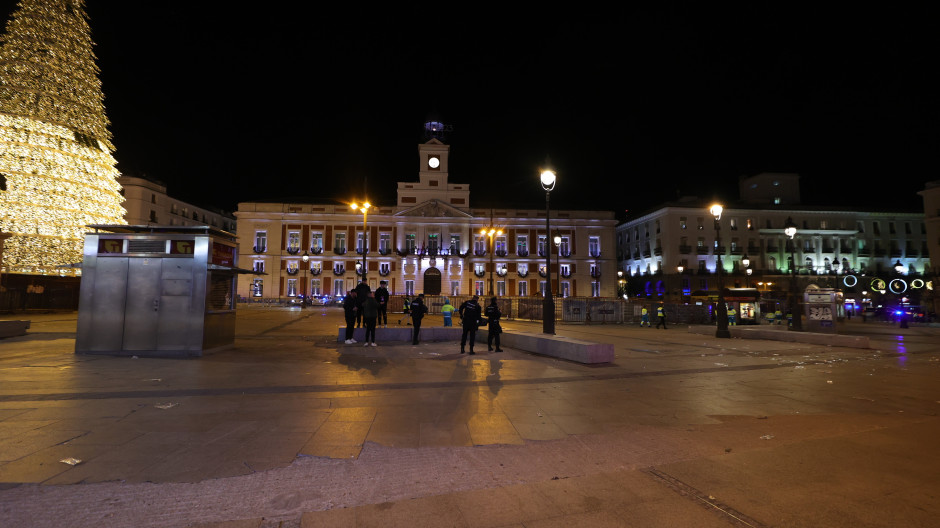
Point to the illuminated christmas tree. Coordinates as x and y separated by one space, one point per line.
57 173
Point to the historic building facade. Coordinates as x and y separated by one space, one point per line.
147 203
833 247
430 241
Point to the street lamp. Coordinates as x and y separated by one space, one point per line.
491 232
746 262
622 284
364 209
557 240
548 304
722 315
789 229
306 259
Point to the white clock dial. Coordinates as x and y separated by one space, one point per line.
434 162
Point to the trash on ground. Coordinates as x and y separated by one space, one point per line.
71 461
165 405
829 382
766 437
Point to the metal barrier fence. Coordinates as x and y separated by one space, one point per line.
584 310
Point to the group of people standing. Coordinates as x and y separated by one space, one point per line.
365 307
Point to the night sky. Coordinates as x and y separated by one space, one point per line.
633 106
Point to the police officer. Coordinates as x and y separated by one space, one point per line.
418 309
471 315
661 314
493 315
381 296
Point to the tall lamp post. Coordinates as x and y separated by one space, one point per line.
902 320
548 304
306 259
746 262
722 309
789 229
557 240
679 269
491 232
364 209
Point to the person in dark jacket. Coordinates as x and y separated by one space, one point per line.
370 312
381 297
493 315
471 316
362 291
349 310
418 309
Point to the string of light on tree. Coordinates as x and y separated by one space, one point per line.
56 162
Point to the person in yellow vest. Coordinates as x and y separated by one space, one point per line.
731 316
778 315
661 315
645 317
770 318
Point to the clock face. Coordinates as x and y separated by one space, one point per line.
434 162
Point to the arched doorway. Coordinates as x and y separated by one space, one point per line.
432 281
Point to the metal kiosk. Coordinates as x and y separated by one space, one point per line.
158 291
824 310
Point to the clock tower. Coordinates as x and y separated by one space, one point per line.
433 163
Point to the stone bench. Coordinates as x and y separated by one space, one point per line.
561 347
403 333
13 328
577 350
780 333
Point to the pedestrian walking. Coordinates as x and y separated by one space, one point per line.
381 297
732 316
370 313
471 316
406 310
448 312
778 315
418 309
645 317
493 315
661 316
362 291
349 311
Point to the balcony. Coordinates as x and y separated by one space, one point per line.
685 250
771 248
895 253
862 252
702 250
658 251
880 252
911 253
339 251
